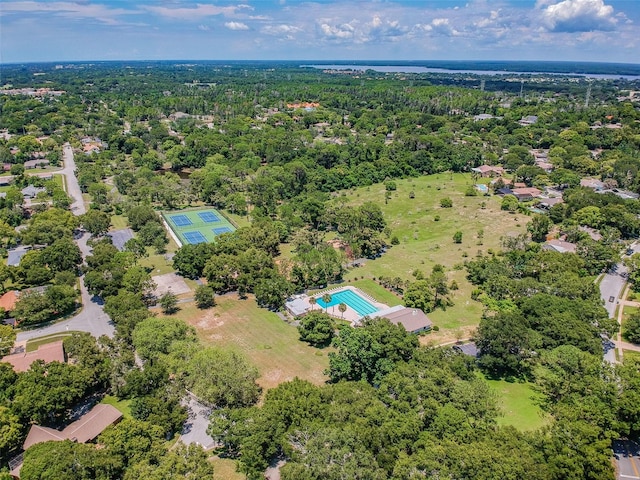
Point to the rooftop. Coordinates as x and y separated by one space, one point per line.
50 352
413 320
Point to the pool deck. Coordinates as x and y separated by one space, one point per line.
350 315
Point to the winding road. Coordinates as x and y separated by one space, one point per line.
91 318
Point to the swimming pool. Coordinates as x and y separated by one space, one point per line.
351 299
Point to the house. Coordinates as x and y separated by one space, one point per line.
14 256
50 352
592 183
90 148
559 246
413 320
469 349
83 430
31 164
592 232
526 194
488 170
8 300
6 181
547 203
504 191
31 191
120 237
528 120
483 116
546 166
298 306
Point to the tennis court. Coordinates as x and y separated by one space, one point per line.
208 217
203 225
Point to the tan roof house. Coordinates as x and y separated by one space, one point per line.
50 352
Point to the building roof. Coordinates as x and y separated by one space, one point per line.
8 300
35 163
14 256
50 352
470 349
592 183
120 237
487 169
298 306
412 319
83 430
526 192
560 246
550 202
32 191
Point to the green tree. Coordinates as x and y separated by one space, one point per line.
222 378
204 297
457 237
7 339
539 227
316 328
155 336
326 298
183 462
446 202
509 203
631 331
10 432
96 222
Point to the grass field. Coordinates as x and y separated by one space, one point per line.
225 469
425 241
519 403
266 340
630 355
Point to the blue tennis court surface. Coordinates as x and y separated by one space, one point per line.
220 230
208 217
194 237
180 220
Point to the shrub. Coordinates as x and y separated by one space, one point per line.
446 202
395 240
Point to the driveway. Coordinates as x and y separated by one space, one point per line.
195 428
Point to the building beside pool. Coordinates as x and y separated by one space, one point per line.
359 307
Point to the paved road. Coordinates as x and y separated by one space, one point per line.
626 453
73 187
91 318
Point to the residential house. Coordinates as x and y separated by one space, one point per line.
413 320
528 120
40 162
488 170
560 246
526 194
31 191
470 349
592 183
49 352
6 181
8 300
482 116
547 203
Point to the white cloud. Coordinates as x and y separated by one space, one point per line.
204 28
279 29
195 13
344 31
578 16
236 26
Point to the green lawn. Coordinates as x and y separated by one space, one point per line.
519 403
630 355
267 341
122 405
425 241
32 345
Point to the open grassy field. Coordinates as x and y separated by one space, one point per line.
266 340
630 355
225 469
425 241
519 403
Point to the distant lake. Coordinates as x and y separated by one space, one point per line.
417 69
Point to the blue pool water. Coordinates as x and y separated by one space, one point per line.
351 299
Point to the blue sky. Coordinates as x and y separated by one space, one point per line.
580 30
